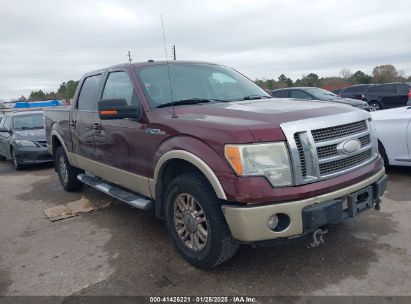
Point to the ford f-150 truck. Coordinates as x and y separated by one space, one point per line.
217 158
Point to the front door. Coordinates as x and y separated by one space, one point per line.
120 141
5 137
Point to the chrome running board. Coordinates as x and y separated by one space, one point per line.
125 196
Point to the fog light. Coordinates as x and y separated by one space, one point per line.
272 222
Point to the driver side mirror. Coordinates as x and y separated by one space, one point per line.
117 109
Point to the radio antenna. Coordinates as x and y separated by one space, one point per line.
168 67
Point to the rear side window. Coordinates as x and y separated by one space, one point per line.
403 88
87 99
384 88
280 94
299 95
119 86
389 88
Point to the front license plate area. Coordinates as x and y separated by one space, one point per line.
360 201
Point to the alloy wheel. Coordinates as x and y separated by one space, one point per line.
63 169
190 222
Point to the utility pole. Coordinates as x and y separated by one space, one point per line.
129 56
174 52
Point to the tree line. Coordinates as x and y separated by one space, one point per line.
65 92
380 74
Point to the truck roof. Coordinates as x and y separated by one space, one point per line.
147 63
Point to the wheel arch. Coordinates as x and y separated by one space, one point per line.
174 163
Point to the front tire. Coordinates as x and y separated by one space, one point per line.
16 164
196 223
66 172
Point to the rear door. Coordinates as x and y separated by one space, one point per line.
82 122
389 95
402 97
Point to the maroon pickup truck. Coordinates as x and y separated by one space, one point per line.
218 159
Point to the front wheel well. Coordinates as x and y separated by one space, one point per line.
170 170
383 153
55 143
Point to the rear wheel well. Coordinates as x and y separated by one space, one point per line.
169 171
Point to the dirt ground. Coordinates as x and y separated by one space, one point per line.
124 251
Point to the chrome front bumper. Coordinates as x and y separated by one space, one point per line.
249 224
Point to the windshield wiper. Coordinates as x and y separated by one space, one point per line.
252 97
30 128
185 102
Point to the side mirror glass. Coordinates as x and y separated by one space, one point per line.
117 109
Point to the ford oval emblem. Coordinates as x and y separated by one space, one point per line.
349 146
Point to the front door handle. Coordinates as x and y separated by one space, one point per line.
73 123
96 126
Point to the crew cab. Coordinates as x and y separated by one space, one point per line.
216 158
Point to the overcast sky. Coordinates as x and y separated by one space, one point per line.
46 42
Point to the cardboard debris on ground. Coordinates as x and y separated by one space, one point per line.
60 212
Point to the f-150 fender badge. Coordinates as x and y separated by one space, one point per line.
151 131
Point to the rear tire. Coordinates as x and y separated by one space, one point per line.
196 223
66 172
375 106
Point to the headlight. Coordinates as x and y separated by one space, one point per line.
269 160
25 143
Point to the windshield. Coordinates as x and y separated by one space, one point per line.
195 81
322 94
28 122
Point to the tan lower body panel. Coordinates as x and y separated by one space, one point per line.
249 224
125 179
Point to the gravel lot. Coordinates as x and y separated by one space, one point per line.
123 251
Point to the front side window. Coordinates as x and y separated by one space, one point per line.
2 120
87 99
7 123
280 94
119 86
28 122
195 81
299 94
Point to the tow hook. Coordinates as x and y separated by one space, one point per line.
377 205
318 237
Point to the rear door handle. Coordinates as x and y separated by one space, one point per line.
73 123
96 126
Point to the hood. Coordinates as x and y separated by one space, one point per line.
33 135
261 117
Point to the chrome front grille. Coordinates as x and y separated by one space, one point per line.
339 131
331 150
318 148
341 164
